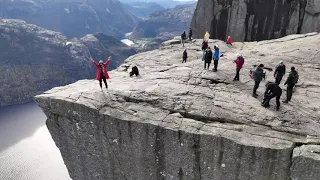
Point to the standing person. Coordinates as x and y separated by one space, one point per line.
207 58
183 37
291 82
190 34
206 36
102 73
257 77
272 90
239 63
279 72
216 56
204 48
184 56
229 40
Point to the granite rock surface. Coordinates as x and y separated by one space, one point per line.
180 121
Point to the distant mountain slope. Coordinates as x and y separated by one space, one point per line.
164 3
173 21
74 18
33 59
142 9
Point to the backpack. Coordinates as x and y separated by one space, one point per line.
296 78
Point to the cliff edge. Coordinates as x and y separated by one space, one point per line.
179 121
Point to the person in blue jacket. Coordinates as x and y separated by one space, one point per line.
216 56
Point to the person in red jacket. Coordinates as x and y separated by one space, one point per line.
239 63
102 73
229 40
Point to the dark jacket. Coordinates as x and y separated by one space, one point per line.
291 78
185 55
258 74
273 88
204 45
183 36
208 56
280 70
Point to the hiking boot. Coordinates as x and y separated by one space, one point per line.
278 108
214 70
286 101
255 95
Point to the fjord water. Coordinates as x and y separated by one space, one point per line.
27 151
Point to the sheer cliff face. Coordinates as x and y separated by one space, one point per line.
250 20
33 59
73 18
179 121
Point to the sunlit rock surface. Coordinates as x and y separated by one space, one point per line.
179 121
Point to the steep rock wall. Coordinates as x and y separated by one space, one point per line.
178 121
250 20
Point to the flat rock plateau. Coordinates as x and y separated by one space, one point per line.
182 122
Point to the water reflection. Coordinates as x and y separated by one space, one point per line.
27 150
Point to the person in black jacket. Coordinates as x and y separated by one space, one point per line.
279 72
291 82
207 58
134 71
190 34
183 38
185 56
272 90
204 48
258 75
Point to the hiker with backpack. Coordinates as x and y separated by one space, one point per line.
183 38
291 81
184 56
279 72
102 73
207 58
239 63
272 90
216 57
204 48
258 75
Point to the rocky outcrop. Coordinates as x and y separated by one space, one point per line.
74 18
33 59
255 20
306 162
179 121
160 23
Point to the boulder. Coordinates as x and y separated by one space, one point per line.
180 121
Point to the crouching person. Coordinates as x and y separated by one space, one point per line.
134 71
272 90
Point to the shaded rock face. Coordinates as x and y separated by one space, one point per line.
179 121
255 20
33 59
74 18
158 24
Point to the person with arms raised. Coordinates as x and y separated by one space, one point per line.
102 73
